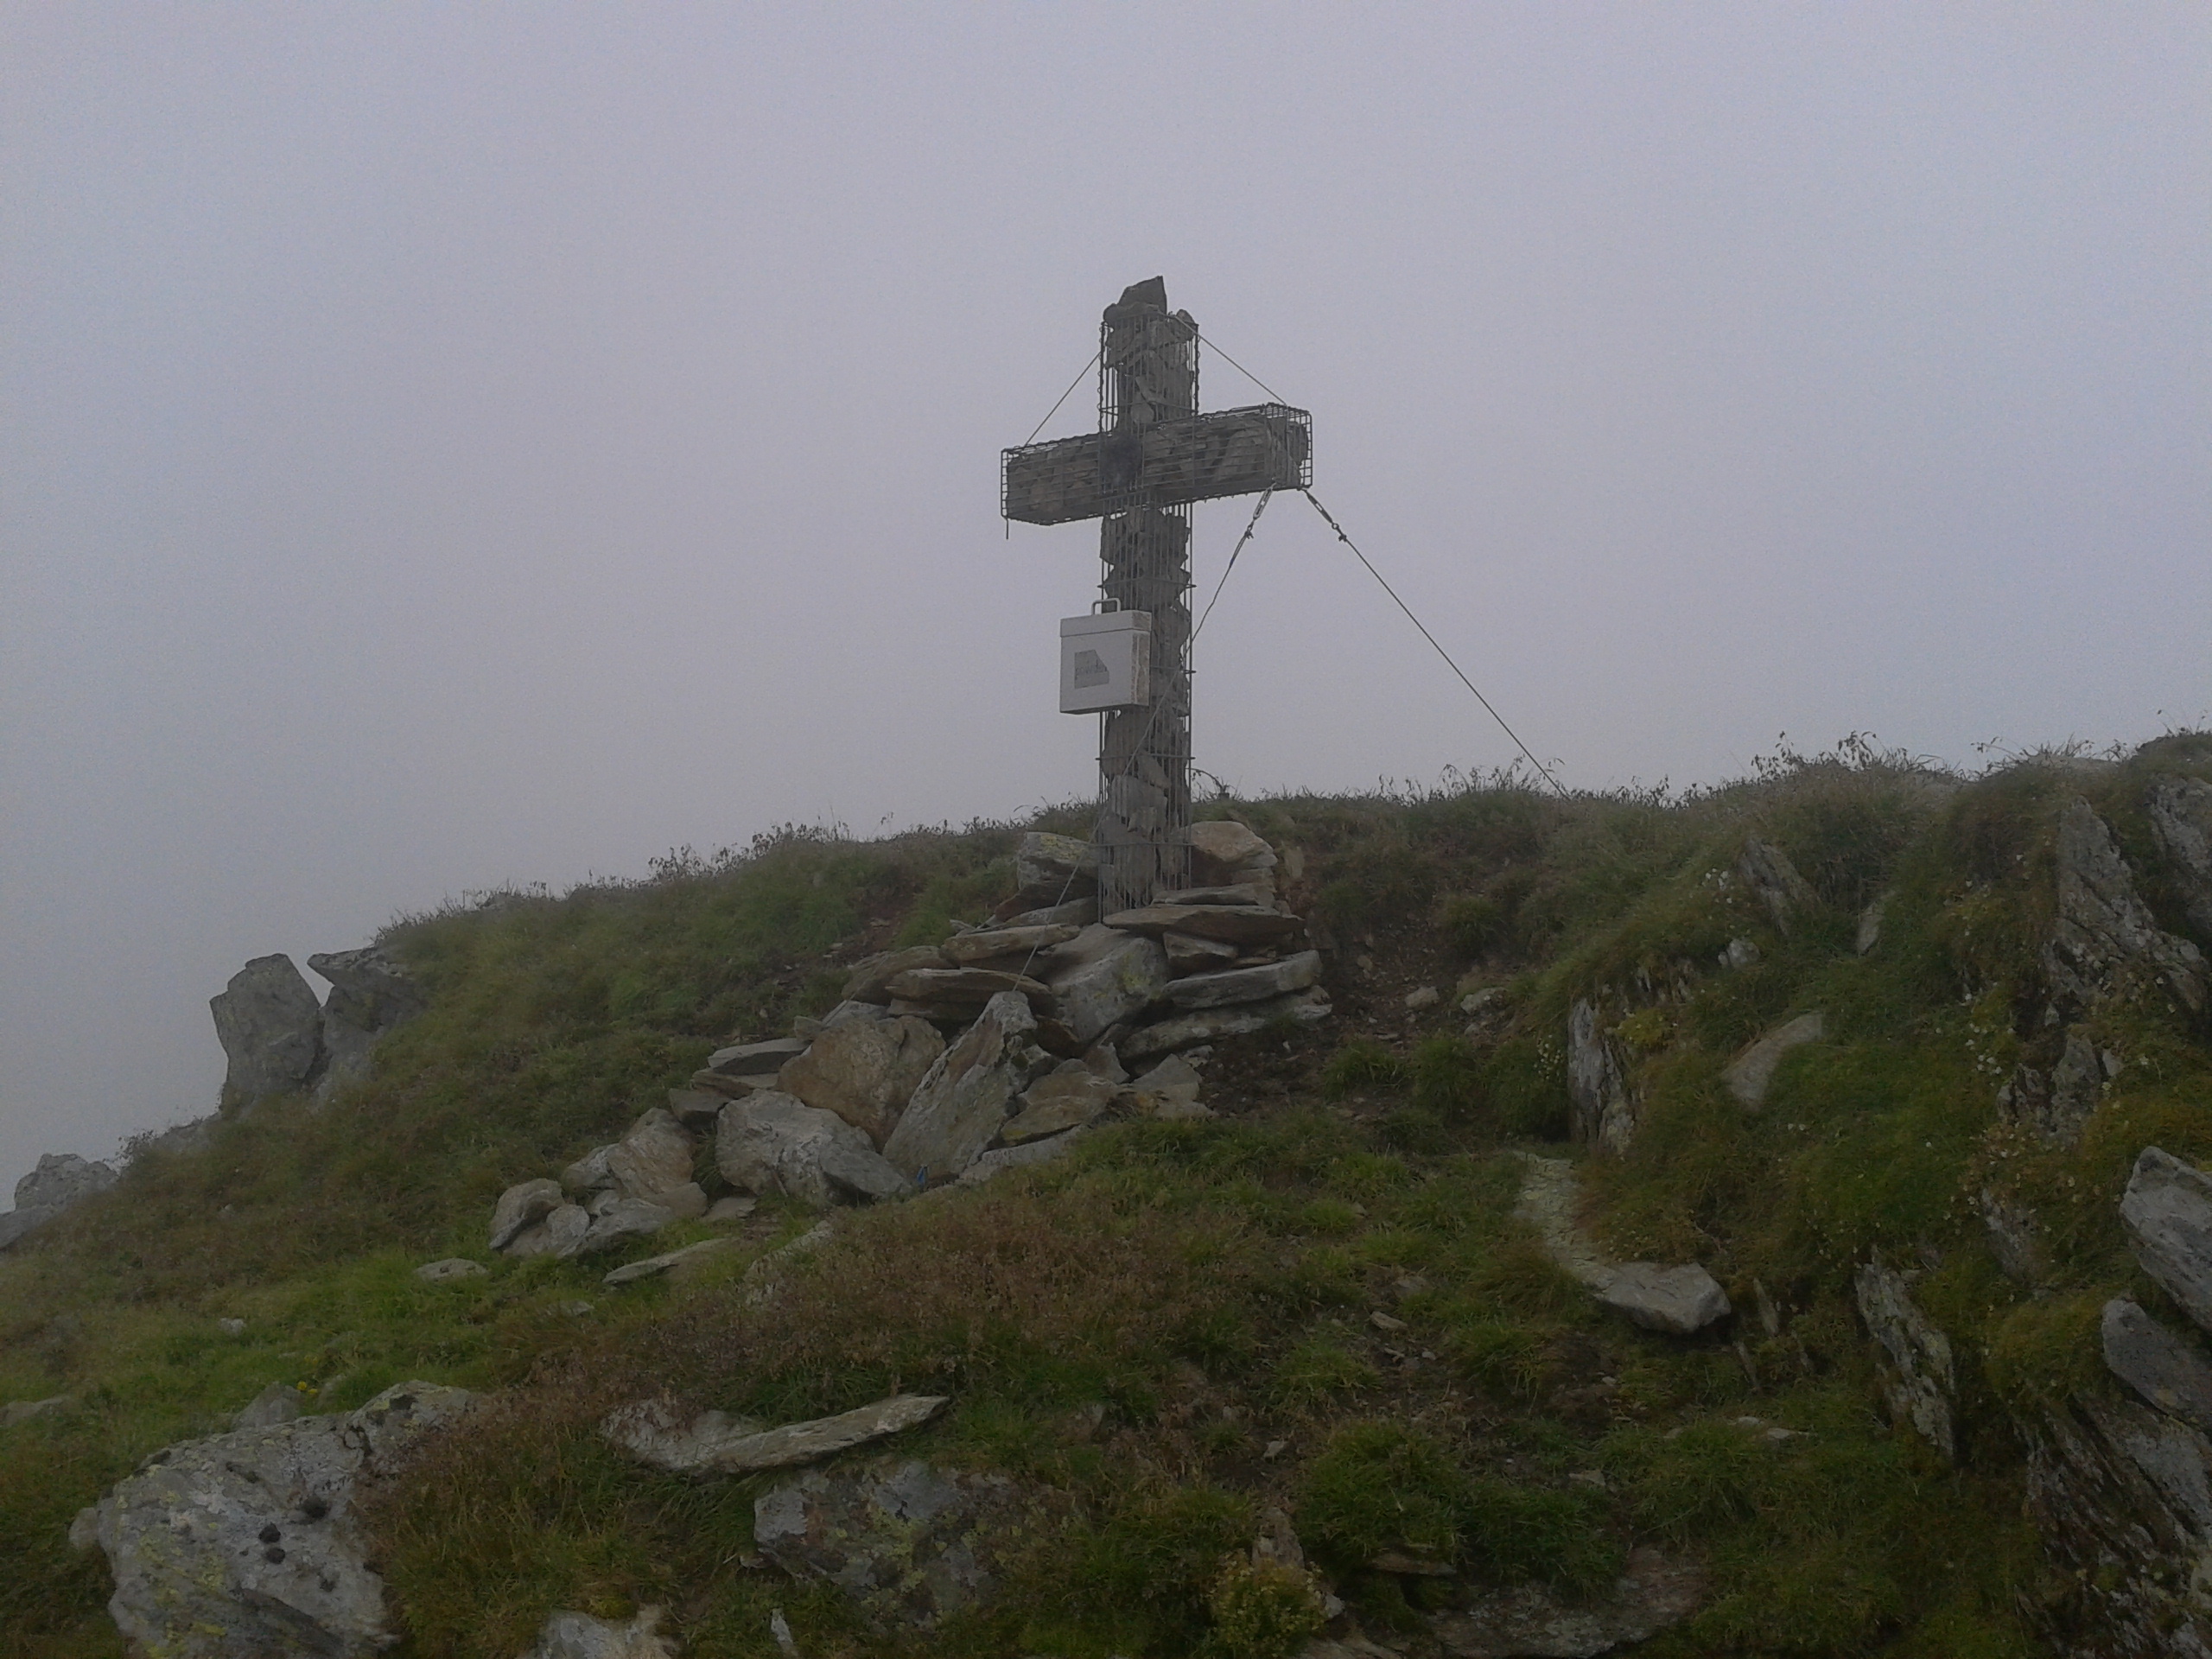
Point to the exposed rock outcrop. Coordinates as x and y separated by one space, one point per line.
244 1543
371 993
2180 810
2103 938
1920 1383
714 1442
270 1028
2167 1211
909 1543
1656 1592
579 1635
61 1180
1775 882
2167 1371
1601 1109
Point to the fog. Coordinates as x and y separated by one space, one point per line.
456 446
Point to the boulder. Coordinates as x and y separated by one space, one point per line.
2180 810
1173 1084
521 1206
911 1544
961 1105
1226 854
651 1164
60 1179
1051 869
616 1220
864 1071
278 1403
965 988
1240 985
2167 1213
1919 1382
1654 1592
453 1267
2166 1370
1243 926
711 1443
770 1142
1069 1095
1602 1109
2103 935
999 1159
1102 977
994 944
371 993
1774 882
762 1059
871 977
270 1028
579 1635
1752 1070
1189 954
698 1107
561 1233
1209 1025
1680 1301
244 1543
670 1261
863 1173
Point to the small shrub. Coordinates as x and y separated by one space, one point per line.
1262 1609
1474 925
1448 1078
1362 1063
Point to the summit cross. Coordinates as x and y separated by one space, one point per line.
1153 455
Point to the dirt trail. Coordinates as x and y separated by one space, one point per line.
1550 1197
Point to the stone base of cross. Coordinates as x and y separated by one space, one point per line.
1152 456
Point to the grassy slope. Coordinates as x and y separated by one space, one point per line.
1209 1285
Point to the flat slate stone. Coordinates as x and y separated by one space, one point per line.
709 1443
654 1266
973 986
762 1059
1247 984
2167 1211
2160 1366
1234 924
988 944
1206 1025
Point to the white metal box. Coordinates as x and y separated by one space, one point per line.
1105 662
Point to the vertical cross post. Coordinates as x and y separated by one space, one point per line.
1148 372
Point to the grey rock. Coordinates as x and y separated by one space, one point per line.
2103 936
1066 1097
174 1142
22 1223
23 1411
1739 953
60 1179
618 1220
2169 1372
1602 1109
561 1234
2180 810
1680 1301
2118 1493
723 1211
710 1442
862 1172
1238 924
270 1028
1173 1081
246 1542
999 1159
1077 914
763 1059
579 1635
520 1206
452 1268
668 1261
1869 925
2167 1213
965 988
1261 895
865 1071
1051 869
1528 1622
278 1403
909 1544
1919 1383
1224 853
1774 882
2076 1085
872 976
1189 954
698 1108
651 1163
1421 998
997 944
771 1143
1751 1073
370 994
1102 977
2016 1237
1206 1026
1240 985
959 1107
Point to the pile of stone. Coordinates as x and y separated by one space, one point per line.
997 1049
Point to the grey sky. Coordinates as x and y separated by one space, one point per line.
447 446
